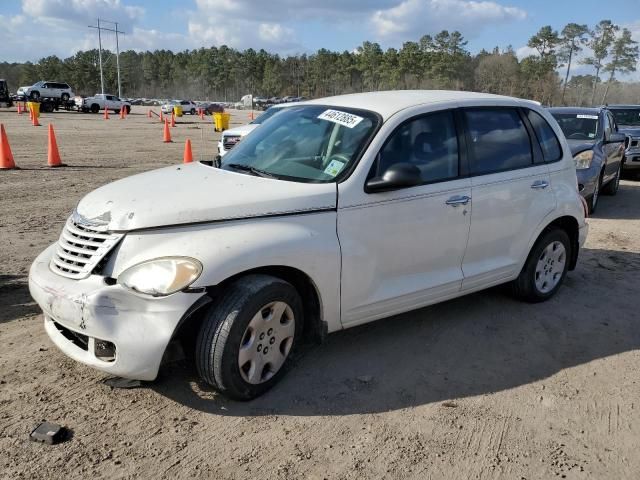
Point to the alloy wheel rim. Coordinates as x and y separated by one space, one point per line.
550 267
266 342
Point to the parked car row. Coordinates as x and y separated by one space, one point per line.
598 146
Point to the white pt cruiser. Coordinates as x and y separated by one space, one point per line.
334 213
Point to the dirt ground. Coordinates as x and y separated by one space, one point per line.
476 388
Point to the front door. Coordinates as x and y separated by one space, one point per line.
403 249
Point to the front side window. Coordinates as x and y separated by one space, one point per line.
429 142
578 126
549 143
308 143
498 140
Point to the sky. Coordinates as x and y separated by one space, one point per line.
32 29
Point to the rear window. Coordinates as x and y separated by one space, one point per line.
551 150
498 140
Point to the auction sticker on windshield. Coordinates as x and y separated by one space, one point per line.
334 168
349 120
592 117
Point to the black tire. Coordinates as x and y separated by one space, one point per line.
64 97
128 109
224 326
595 197
95 108
524 287
34 95
612 187
193 111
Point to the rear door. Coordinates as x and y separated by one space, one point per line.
510 190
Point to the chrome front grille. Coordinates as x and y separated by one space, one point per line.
230 141
80 248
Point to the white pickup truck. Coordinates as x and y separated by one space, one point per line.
100 102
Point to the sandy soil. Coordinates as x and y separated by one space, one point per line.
479 387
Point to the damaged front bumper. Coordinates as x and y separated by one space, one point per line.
106 326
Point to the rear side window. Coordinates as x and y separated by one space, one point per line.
498 140
551 150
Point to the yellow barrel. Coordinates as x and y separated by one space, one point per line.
177 109
34 107
221 121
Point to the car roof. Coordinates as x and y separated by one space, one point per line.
576 110
621 106
390 102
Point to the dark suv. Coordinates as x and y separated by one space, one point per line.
628 120
597 148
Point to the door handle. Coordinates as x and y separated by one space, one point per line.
458 200
540 184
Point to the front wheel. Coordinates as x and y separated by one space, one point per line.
593 201
193 111
64 97
246 339
34 95
545 267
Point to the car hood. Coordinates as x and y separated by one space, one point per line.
241 130
198 193
577 146
629 130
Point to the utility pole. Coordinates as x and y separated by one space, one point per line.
116 31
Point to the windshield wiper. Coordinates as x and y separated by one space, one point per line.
248 168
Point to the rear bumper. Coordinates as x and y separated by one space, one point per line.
139 327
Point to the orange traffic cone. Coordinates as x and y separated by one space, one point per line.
6 157
161 116
53 156
202 114
149 114
31 114
166 138
122 114
34 118
19 108
173 119
106 113
188 154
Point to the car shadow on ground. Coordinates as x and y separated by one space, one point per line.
15 300
478 344
624 206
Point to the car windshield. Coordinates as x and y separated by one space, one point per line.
578 126
630 116
268 113
308 143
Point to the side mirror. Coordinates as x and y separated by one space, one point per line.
616 137
398 175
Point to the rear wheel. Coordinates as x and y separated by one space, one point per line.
193 111
127 109
245 342
95 108
545 267
611 188
64 97
34 95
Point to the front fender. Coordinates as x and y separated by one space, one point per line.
305 242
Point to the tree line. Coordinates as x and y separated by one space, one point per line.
438 61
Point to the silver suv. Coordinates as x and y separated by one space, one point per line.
49 90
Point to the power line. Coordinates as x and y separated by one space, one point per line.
117 32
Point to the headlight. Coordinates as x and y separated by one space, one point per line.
161 276
583 159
